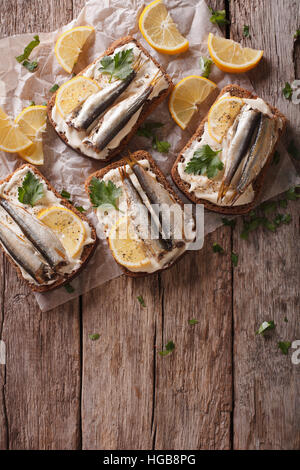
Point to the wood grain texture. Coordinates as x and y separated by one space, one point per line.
266 281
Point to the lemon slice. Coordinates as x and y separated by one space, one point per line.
12 138
32 122
69 45
230 56
67 225
187 94
126 248
160 31
74 92
221 116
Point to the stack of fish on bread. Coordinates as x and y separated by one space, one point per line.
37 251
246 151
103 124
143 186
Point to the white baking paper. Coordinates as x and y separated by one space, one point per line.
66 169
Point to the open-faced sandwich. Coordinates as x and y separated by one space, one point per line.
45 237
224 164
99 110
142 218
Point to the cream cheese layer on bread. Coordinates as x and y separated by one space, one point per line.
209 189
161 252
85 140
36 249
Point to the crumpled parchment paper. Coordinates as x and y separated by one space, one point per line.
66 169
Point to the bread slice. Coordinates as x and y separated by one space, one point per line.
86 252
233 90
139 155
147 109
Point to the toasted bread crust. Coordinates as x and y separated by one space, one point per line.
234 90
146 110
87 252
138 155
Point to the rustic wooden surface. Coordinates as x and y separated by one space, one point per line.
223 387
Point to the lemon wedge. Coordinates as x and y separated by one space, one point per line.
12 138
230 56
127 250
221 116
189 93
68 227
160 31
74 92
69 45
32 122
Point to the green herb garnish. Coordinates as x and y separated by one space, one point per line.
147 129
217 248
284 346
70 289
119 66
31 103
54 88
234 258
283 203
205 66
193 321
282 219
170 346
205 161
285 320
23 58
265 326
80 208
31 190
294 150
297 34
94 336
65 194
246 31
249 225
104 194
292 194
160 145
269 207
218 17
141 300
229 223
45 103
287 91
276 158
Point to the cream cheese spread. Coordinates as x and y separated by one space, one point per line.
143 78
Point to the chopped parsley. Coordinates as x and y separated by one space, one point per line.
297 34
31 190
170 346
287 91
141 300
23 58
54 88
284 346
118 66
65 194
80 208
104 194
265 326
31 66
31 103
160 145
246 31
193 321
70 289
234 259
217 248
292 194
205 66
218 17
205 161
94 336
228 222
147 130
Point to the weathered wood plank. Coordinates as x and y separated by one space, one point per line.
266 281
40 402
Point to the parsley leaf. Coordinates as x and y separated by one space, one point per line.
284 346
218 17
65 194
141 300
70 289
217 248
161 146
104 194
80 208
28 49
229 223
276 158
170 346
205 66
193 321
246 31
147 129
292 194
234 258
287 91
205 161
31 103
54 88
297 34
294 150
31 66
31 190
265 326
119 66
94 336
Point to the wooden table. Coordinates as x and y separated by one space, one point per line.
223 387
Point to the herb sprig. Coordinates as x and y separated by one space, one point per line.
117 66
218 17
31 191
23 58
104 194
170 346
205 66
287 91
205 161
147 130
265 326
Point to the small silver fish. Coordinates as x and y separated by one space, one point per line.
236 145
42 237
115 119
24 254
